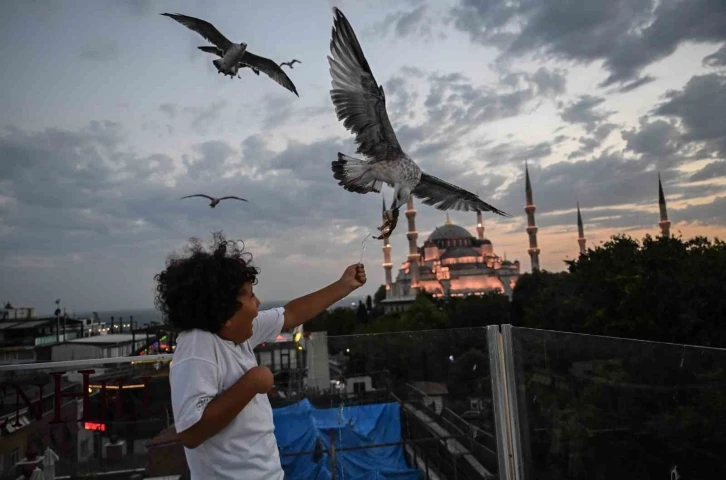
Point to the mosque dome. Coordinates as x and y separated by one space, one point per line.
449 232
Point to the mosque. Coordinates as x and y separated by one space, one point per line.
452 262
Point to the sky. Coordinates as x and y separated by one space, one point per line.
109 114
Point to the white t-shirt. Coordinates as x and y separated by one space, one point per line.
204 366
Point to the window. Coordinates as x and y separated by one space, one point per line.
285 359
359 387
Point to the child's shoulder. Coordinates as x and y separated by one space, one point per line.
195 343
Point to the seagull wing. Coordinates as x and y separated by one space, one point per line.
199 195
236 198
359 102
203 28
445 196
269 68
213 50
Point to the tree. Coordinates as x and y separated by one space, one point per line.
661 289
369 303
339 321
423 314
479 311
361 314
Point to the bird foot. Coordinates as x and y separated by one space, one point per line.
390 220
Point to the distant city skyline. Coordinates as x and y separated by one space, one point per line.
110 114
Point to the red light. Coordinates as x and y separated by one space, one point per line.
100 427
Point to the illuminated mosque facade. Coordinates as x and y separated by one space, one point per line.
452 262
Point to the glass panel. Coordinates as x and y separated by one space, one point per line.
601 408
415 403
405 405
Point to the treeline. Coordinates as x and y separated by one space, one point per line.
661 289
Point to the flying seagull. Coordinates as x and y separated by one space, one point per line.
215 51
361 105
290 63
215 201
233 55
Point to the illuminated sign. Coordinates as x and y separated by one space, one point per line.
100 427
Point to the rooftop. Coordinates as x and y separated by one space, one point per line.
110 338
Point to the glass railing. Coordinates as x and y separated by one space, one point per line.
601 407
404 405
464 404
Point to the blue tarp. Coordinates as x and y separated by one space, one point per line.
301 427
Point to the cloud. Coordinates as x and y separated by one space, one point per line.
699 106
657 139
101 50
455 100
637 83
590 143
416 22
717 58
137 8
204 118
211 162
625 35
715 169
169 109
584 112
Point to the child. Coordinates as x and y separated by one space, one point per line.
218 392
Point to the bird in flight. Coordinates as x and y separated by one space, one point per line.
215 201
290 63
233 55
361 105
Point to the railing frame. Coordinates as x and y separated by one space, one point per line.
504 397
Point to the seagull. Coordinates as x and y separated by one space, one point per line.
215 201
290 63
215 51
233 55
361 105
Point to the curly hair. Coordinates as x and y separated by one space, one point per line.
200 290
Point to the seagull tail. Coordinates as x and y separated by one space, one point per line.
218 63
353 174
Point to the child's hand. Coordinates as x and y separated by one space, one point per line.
262 378
354 276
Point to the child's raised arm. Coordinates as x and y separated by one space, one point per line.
305 308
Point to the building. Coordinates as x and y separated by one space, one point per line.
101 346
452 262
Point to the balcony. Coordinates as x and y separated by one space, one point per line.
488 403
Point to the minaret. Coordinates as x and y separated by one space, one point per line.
531 228
479 226
412 248
665 225
580 231
387 265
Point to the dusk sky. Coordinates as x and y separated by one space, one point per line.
109 114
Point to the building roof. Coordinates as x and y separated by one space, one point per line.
32 324
111 338
448 232
4 325
459 252
431 388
